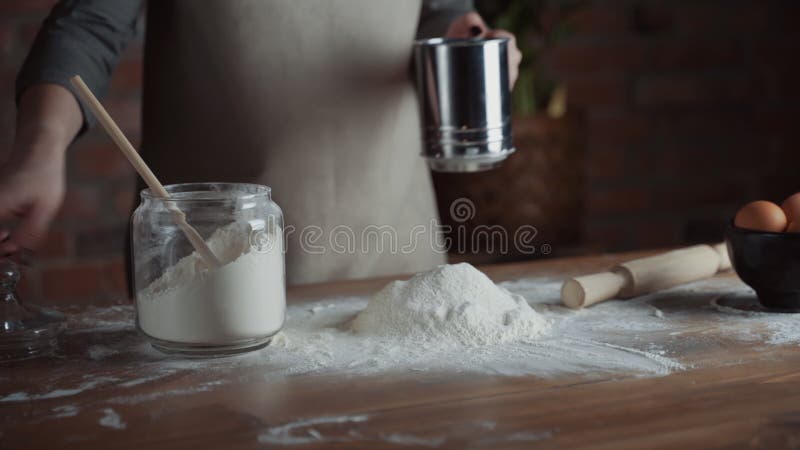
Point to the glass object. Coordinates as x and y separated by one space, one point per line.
27 330
182 305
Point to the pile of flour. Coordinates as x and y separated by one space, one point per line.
243 299
454 304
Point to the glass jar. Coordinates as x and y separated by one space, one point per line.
185 306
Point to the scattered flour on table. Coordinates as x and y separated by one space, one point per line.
784 332
147 379
339 335
782 328
65 411
304 432
107 319
344 429
58 393
98 352
111 419
414 440
455 319
472 326
136 399
454 304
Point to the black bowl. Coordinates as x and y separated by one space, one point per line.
769 263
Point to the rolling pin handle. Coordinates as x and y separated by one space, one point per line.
724 259
587 290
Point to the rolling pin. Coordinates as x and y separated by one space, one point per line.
645 275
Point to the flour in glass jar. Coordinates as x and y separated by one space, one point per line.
242 299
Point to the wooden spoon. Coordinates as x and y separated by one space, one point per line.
147 175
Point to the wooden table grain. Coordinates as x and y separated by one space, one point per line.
742 395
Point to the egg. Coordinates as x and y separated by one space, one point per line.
794 227
791 207
761 215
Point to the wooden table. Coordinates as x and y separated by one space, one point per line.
745 395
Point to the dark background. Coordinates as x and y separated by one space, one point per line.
691 110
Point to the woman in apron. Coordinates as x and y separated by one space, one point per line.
311 97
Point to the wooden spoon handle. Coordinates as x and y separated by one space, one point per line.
144 171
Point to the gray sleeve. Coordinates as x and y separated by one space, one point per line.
436 16
83 37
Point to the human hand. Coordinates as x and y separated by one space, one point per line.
472 25
32 185
32 177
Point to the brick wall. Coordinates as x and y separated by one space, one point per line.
691 107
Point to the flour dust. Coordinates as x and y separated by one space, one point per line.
645 336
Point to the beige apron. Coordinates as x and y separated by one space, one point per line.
310 97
